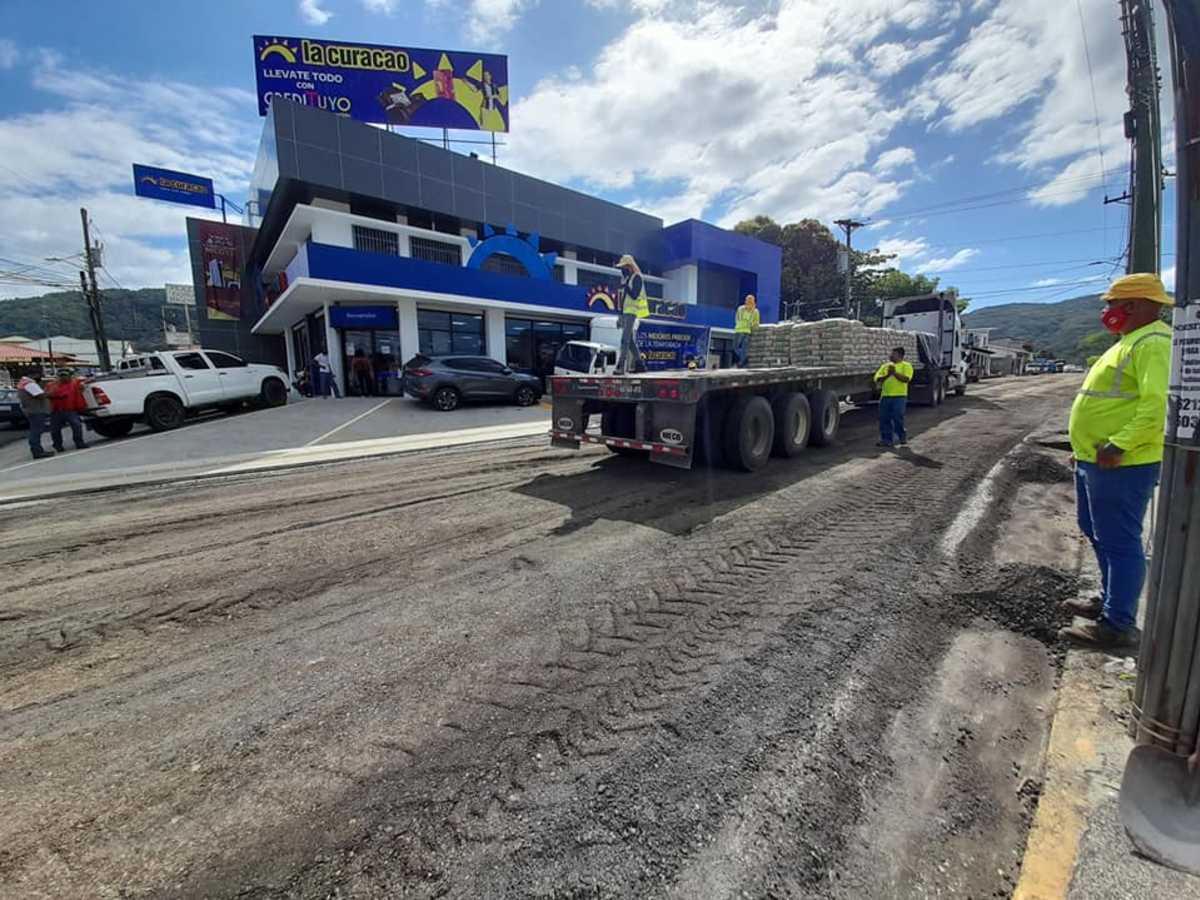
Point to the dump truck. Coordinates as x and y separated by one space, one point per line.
788 397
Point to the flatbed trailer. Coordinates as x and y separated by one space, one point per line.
733 417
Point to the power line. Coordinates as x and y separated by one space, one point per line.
1087 55
947 206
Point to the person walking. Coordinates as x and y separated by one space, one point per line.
364 374
328 384
66 403
1117 429
746 320
893 379
635 306
35 404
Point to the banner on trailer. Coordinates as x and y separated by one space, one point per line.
670 346
377 83
222 258
172 186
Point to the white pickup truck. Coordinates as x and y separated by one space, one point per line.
164 389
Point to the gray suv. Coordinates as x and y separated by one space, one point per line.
446 381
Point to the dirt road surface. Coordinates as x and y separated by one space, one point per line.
513 671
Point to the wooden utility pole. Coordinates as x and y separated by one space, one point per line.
92 296
848 226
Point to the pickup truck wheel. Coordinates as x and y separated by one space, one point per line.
446 399
525 396
826 417
112 428
749 433
619 422
274 393
164 412
793 421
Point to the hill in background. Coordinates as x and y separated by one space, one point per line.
1057 330
128 316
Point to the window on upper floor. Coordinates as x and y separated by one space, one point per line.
505 265
435 251
375 240
588 278
654 289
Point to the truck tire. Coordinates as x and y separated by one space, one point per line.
939 392
164 412
960 390
112 428
619 422
793 421
749 433
274 393
826 417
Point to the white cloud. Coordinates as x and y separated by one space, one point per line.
730 111
893 159
892 58
1047 282
484 20
387 7
9 54
1168 279
78 151
906 250
946 263
312 13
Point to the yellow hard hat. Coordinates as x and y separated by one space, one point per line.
626 260
1138 286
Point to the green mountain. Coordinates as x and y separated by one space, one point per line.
128 316
1067 330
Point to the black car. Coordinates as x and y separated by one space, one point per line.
446 381
10 408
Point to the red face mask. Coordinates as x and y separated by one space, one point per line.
1115 318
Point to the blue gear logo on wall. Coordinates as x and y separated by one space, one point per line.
510 243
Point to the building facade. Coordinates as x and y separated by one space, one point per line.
370 244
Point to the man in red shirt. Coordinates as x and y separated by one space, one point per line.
66 403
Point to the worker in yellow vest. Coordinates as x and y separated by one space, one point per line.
1117 425
745 321
893 379
635 305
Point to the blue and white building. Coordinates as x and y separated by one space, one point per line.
368 240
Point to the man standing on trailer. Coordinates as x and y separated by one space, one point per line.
893 379
1116 429
635 306
745 321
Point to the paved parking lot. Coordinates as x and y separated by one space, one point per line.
242 439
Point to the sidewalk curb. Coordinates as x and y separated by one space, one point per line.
1056 834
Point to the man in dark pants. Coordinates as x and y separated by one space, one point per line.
893 379
66 403
35 404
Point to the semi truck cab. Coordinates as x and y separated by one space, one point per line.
937 315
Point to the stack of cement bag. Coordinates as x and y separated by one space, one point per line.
836 343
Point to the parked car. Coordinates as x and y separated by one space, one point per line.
10 408
446 381
164 389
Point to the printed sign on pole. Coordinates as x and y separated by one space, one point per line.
179 294
1184 399
377 83
222 259
174 187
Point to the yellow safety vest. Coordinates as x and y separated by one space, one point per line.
1123 400
746 320
634 306
894 387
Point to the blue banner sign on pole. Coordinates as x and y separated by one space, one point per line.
376 83
174 187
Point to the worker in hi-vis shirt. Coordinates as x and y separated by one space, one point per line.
893 379
1117 426
745 321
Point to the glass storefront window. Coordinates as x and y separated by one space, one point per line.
379 360
532 345
440 333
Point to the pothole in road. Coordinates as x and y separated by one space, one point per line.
1038 468
1026 600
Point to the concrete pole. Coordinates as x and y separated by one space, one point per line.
1143 127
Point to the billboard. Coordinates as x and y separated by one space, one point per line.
174 187
669 346
220 254
377 83
179 294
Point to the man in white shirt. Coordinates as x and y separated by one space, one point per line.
35 404
328 383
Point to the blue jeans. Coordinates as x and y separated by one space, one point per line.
741 348
891 419
38 425
630 357
329 386
1111 505
58 420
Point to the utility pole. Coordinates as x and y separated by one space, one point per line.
1143 127
95 311
848 226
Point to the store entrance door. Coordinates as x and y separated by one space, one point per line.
371 361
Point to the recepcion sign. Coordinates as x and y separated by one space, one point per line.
174 187
377 83
1184 403
364 317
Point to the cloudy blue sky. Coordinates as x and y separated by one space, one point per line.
971 133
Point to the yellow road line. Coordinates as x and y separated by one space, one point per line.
1053 843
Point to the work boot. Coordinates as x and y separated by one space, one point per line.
43 454
1100 635
884 444
1087 607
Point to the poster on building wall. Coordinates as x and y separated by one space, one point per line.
222 259
1184 401
377 83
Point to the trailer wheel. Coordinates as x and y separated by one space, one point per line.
939 392
826 417
618 422
793 421
749 433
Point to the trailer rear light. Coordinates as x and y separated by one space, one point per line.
101 397
665 393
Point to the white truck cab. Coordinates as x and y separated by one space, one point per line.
935 314
586 358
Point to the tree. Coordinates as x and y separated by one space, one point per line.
1094 344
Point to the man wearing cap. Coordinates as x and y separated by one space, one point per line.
635 305
745 321
1116 428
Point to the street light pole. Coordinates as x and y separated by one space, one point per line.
848 226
